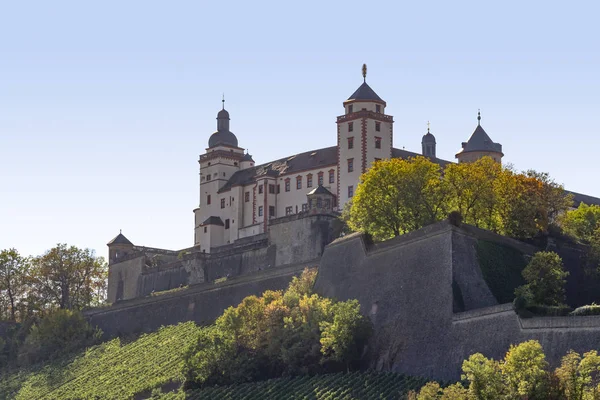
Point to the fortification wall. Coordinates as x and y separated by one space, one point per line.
201 303
124 278
405 285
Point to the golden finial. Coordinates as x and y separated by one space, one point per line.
364 72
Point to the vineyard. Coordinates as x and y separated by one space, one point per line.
116 370
112 370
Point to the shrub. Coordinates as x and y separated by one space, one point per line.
545 278
591 309
60 332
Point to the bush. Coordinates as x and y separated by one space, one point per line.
591 309
545 277
60 332
278 334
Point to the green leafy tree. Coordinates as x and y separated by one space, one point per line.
553 198
59 332
582 223
580 377
484 376
69 278
525 371
397 196
14 270
546 278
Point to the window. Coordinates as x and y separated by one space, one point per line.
222 203
309 180
305 207
331 176
350 191
227 224
205 229
350 109
289 210
260 211
377 159
350 126
287 185
271 211
320 178
208 177
350 164
272 189
378 126
351 142
208 199
260 189
377 142
223 173
319 202
327 204
247 197
278 189
377 108
298 182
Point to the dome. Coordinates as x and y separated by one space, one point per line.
222 137
428 138
223 114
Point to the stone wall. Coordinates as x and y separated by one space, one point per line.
201 303
405 285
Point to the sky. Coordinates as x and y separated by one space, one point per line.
106 106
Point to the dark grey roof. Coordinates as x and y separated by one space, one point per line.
119 239
428 138
364 92
247 157
222 137
401 153
579 198
320 190
480 141
213 221
300 162
223 114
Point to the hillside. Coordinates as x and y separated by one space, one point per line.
117 370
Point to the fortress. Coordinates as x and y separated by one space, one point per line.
258 225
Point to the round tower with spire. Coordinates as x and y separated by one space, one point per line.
479 145
428 144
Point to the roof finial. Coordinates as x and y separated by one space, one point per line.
427 126
223 101
478 117
364 72
120 231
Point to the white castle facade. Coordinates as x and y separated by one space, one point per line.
238 198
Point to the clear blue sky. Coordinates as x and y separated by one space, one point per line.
105 106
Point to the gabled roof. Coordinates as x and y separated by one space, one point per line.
579 198
364 92
480 141
119 239
314 159
320 190
213 221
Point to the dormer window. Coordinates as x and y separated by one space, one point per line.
378 108
350 109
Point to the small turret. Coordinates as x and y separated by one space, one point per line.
246 161
428 144
118 248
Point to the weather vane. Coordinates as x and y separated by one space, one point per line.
478 116
364 72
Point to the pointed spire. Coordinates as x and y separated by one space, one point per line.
364 72
478 117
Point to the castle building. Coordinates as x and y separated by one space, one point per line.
238 198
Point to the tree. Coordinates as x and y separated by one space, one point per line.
484 377
545 277
525 371
13 282
582 222
69 278
397 196
580 377
553 198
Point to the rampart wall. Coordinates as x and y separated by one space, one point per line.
406 284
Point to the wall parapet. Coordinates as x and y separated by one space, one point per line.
569 322
483 312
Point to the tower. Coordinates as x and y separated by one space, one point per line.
365 134
428 144
222 159
118 248
479 145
